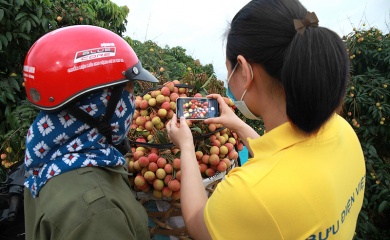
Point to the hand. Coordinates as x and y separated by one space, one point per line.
180 133
228 118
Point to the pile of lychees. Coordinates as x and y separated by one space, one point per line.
155 161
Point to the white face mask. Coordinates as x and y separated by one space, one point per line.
241 104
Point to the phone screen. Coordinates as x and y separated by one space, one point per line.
197 108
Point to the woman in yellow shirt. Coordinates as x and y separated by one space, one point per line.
307 175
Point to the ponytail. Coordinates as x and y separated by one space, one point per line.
314 75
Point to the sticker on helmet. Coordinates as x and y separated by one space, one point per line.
95 53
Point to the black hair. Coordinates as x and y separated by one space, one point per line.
313 67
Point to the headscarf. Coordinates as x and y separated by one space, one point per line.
57 142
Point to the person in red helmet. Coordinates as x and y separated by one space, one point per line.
81 78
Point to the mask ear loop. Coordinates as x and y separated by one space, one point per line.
250 67
231 74
243 94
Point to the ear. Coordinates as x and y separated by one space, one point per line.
246 72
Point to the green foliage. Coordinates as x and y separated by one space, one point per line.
22 22
367 108
169 64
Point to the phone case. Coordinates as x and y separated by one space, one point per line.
197 108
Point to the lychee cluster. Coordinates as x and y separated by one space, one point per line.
155 161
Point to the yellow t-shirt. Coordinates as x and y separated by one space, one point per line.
295 187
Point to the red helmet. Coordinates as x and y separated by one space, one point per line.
71 61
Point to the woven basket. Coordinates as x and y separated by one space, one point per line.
167 220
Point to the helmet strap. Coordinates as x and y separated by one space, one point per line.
102 123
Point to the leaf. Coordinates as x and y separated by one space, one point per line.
34 18
383 206
28 26
4 40
39 12
207 82
20 15
14 84
197 129
24 36
1 14
9 36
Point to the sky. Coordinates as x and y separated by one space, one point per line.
199 25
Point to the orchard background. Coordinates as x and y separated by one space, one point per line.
366 107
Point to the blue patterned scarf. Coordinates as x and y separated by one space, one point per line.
57 142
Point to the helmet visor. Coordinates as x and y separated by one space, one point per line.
137 72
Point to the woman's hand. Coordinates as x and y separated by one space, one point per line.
180 133
228 118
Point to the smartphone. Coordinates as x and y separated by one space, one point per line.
197 108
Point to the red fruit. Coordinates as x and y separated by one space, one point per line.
131 166
223 150
216 143
167 179
152 157
212 127
182 90
168 168
233 154
173 105
170 114
157 194
160 99
176 163
227 161
166 192
229 146
166 106
199 155
221 139
198 95
153 167
170 86
162 112
222 166
136 166
178 175
161 162
175 195
3 156
202 167
154 150
214 150
205 159
137 154
240 146
146 188
174 96
143 161
158 184
155 93
165 91
140 121
143 104
160 173
209 172
232 140
174 185
152 102
149 125
213 137
139 181
214 159
149 176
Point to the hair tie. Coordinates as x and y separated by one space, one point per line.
310 20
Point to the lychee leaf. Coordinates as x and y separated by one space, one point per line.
197 129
